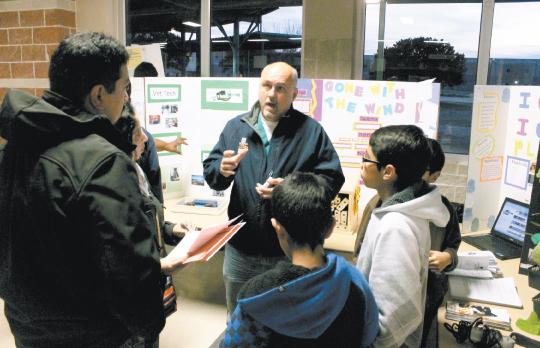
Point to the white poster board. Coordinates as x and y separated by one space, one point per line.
504 142
349 111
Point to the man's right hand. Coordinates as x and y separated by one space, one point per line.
230 162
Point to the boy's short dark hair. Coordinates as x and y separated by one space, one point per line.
406 148
145 69
436 160
84 60
301 204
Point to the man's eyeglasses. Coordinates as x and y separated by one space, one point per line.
367 160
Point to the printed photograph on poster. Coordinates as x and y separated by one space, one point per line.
517 172
172 181
224 95
163 117
491 168
174 175
197 180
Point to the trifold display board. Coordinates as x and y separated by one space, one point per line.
502 158
349 111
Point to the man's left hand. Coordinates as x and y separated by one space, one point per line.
265 192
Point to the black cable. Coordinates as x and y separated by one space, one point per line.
462 332
490 338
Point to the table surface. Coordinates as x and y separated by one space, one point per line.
509 268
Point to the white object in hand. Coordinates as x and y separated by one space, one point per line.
267 184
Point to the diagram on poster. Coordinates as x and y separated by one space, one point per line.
224 95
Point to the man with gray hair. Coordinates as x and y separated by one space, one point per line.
273 140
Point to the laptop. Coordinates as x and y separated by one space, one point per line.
508 232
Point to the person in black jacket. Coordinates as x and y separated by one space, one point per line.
78 263
279 140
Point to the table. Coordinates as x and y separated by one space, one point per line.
509 268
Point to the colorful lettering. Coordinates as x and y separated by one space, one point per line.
525 95
523 122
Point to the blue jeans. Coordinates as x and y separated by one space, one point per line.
239 267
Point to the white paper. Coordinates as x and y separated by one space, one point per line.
425 89
476 260
473 273
501 291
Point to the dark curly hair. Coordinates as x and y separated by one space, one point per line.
301 204
84 60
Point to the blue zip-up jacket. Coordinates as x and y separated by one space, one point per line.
292 306
298 143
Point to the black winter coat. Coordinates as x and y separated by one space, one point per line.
78 263
298 143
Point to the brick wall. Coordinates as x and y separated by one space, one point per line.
28 36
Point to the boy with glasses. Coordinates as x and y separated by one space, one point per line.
394 253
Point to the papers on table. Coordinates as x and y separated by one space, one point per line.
476 264
501 291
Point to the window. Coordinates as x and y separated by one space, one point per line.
174 26
515 44
246 36
420 41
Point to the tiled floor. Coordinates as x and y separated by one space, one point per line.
195 325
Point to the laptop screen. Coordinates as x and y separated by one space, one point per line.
512 220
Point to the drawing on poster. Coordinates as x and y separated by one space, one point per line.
224 95
517 172
487 111
491 168
484 147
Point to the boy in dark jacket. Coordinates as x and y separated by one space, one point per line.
314 300
444 245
